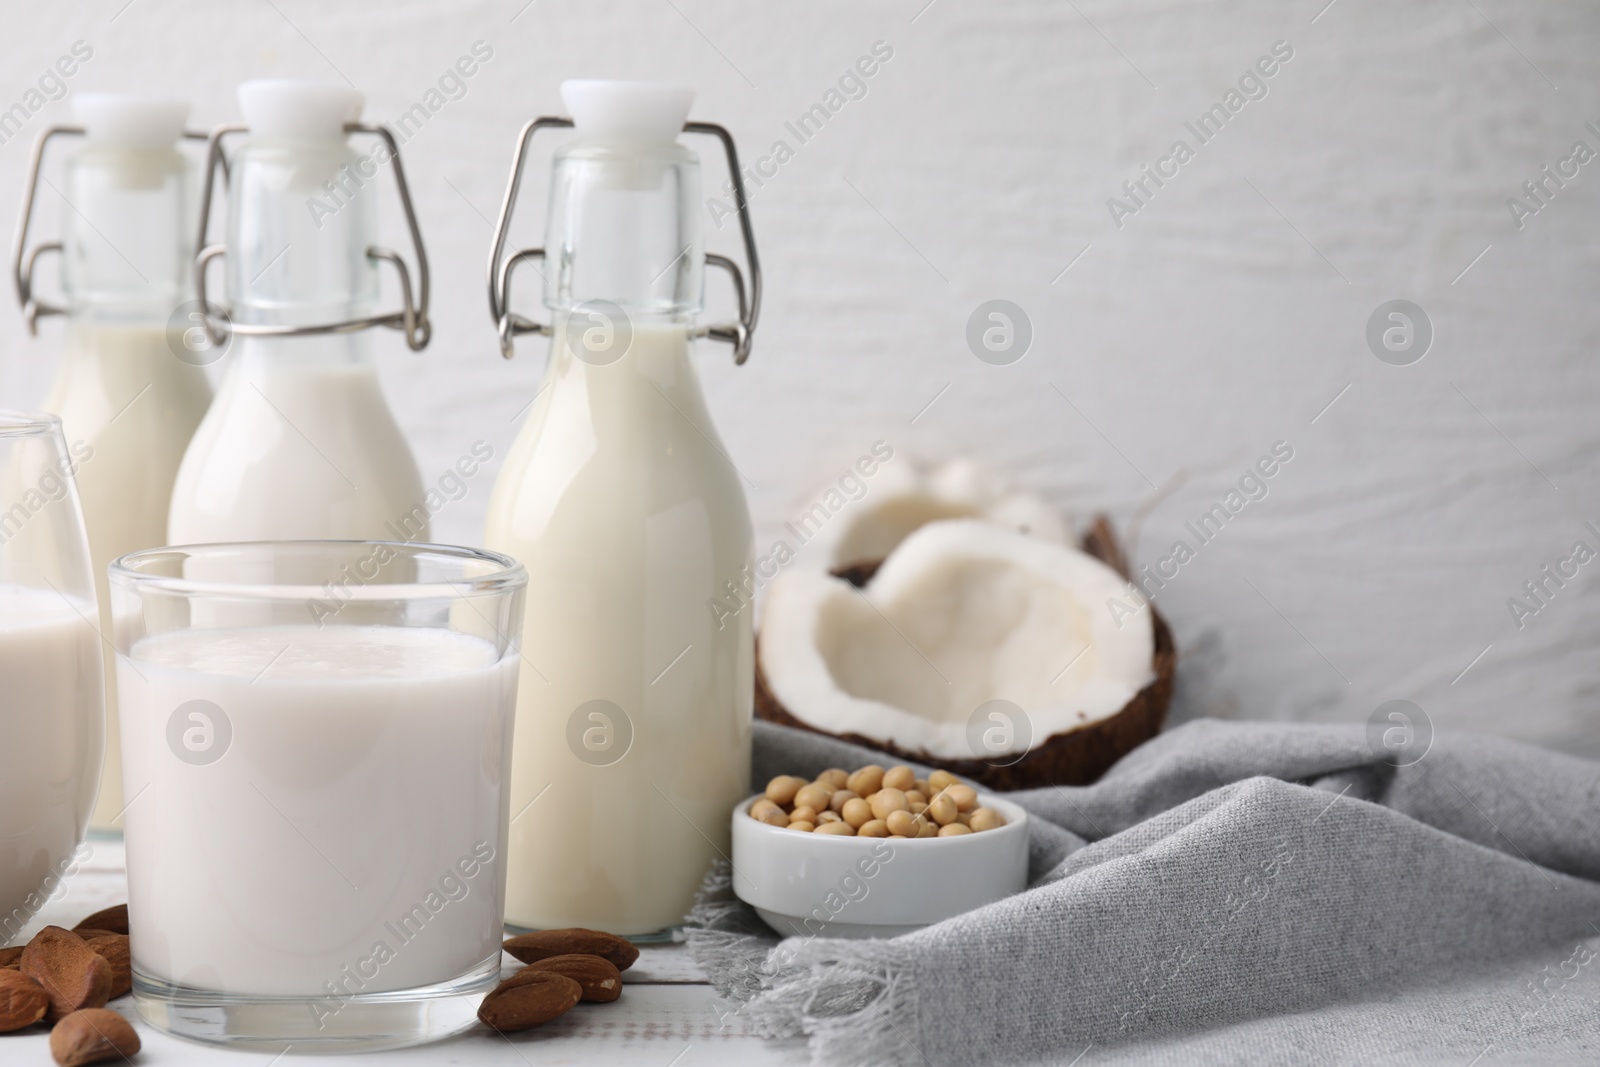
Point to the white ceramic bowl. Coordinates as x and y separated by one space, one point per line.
823 885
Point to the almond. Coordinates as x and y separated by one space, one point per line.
72 973
94 1035
114 949
601 981
542 944
113 919
523 1003
23 1001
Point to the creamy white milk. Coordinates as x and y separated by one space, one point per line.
349 837
619 500
299 444
50 743
128 407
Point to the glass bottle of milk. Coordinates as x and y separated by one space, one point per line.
300 442
128 400
632 739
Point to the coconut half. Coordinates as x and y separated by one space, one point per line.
964 620
903 497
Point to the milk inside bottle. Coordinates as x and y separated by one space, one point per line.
632 739
129 400
300 442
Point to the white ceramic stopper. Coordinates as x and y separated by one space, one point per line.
285 108
645 112
131 121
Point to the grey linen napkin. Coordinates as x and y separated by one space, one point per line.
1228 892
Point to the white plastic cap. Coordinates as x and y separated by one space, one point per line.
132 121
282 108
646 112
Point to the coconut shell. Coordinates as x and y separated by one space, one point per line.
1072 757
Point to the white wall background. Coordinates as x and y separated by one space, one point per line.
1223 317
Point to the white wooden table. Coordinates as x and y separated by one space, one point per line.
668 1016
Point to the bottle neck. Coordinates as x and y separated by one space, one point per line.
623 229
126 233
301 215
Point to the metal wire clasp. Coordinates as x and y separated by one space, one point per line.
411 319
509 324
23 259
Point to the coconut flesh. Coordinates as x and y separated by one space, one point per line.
905 496
962 612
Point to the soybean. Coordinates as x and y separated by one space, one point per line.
781 790
857 812
867 781
965 796
834 777
886 800
762 807
813 796
986 819
901 778
901 824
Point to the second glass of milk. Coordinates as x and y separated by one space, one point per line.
52 705
316 747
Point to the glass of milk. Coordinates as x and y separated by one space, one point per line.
52 700
316 741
